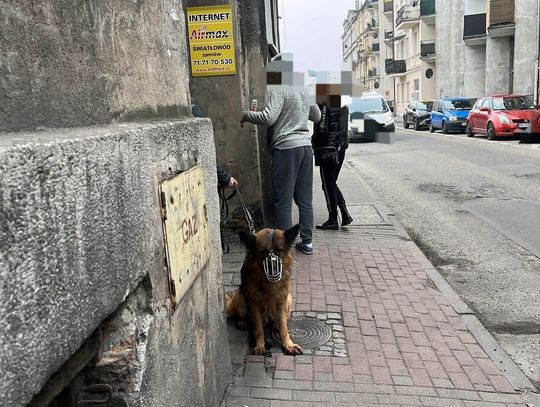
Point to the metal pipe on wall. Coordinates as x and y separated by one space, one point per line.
537 70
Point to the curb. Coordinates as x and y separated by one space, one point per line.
513 373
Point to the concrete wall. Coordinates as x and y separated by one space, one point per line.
80 223
80 227
483 70
241 151
80 63
498 54
525 45
474 73
460 68
428 86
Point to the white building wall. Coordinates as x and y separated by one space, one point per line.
526 45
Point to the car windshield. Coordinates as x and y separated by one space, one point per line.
424 106
368 105
462 104
513 103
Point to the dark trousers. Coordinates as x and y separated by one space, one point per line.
329 176
292 179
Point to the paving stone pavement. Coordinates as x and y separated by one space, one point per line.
406 345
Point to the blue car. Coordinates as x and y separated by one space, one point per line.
450 114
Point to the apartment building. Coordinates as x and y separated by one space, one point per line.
487 46
363 44
412 41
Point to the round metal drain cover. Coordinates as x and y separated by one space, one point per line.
309 333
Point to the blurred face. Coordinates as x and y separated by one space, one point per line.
329 94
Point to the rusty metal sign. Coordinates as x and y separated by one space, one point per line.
185 228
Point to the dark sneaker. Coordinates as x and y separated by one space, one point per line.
329 225
305 248
347 220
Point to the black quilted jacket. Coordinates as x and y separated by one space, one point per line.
331 133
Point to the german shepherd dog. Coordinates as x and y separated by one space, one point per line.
258 300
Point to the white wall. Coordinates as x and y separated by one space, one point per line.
475 6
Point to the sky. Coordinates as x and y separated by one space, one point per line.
311 30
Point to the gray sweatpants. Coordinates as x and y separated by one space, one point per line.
292 178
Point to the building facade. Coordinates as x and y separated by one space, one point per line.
392 48
486 47
413 43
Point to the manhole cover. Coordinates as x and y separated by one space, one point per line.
367 215
309 333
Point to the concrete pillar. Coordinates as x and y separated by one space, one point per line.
475 71
525 47
498 53
457 49
222 99
442 45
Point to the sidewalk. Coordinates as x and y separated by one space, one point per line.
400 334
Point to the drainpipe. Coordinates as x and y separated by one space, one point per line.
537 70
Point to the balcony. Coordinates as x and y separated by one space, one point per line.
427 50
501 18
407 17
373 3
362 55
372 73
427 11
388 6
413 62
396 67
474 29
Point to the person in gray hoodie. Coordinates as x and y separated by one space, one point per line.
286 113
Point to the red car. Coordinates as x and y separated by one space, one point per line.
504 116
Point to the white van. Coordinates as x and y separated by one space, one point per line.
369 115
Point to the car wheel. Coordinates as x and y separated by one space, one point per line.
468 130
415 124
405 124
491 135
431 128
444 128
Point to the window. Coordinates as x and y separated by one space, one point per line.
460 104
478 104
368 105
427 106
417 84
513 103
485 103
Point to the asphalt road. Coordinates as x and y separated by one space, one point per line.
473 207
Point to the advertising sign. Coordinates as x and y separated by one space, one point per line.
211 40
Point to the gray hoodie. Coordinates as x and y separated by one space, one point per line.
288 113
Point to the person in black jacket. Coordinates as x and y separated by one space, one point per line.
225 180
330 141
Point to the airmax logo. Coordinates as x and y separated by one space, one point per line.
203 34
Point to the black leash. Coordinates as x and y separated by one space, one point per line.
225 214
247 215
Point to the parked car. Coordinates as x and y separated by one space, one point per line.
450 114
417 114
504 116
368 115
